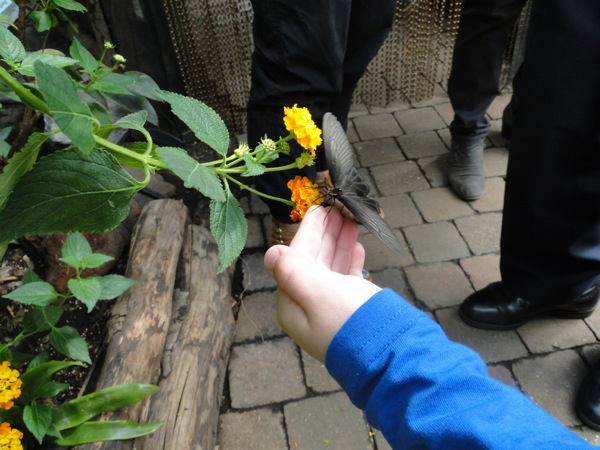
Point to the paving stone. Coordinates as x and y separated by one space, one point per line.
482 270
493 196
592 436
379 151
495 161
416 120
496 109
426 143
591 353
492 346
482 232
326 422
399 210
256 277
379 257
551 381
257 318
446 112
435 242
376 127
438 285
317 377
398 178
495 134
446 137
258 429
397 105
548 334
501 373
440 204
594 322
257 206
392 278
351 133
255 237
434 169
265 372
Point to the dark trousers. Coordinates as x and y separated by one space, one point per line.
311 53
485 26
550 244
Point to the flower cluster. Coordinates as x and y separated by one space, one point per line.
305 193
299 122
10 385
10 389
10 438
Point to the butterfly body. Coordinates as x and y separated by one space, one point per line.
349 188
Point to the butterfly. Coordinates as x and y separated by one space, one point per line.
349 187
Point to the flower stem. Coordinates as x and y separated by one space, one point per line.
23 93
261 194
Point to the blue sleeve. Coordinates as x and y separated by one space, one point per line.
424 391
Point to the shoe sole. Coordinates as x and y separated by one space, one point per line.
586 420
560 314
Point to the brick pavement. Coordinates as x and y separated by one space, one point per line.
278 398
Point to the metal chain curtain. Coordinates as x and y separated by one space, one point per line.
213 46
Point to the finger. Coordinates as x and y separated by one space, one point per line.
309 236
344 247
357 262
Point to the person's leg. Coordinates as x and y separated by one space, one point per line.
550 241
474 80
298 59
369 26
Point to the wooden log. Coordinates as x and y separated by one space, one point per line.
142 315
196 358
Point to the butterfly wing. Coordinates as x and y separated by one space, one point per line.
350 188
367 214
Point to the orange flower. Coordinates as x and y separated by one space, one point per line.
299 122
305 193
10 438
10 385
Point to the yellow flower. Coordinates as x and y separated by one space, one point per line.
299 122
10 386
10 438
305 193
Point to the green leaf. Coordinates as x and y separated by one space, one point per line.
71 113
37 293
67 341
87 290
193 174
37 418
204 122
142 84
11 48
253 168
134 121
41 318
19 164
77 411
84 57
95 260
51 389
74 249
30 276
4 146
42 21
27 65
107 431
229 227
71 5
68 191
35 378
114 285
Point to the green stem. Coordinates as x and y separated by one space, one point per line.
24 94
261 194
112 147
277 169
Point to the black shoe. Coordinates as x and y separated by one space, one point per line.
494 308
587 405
